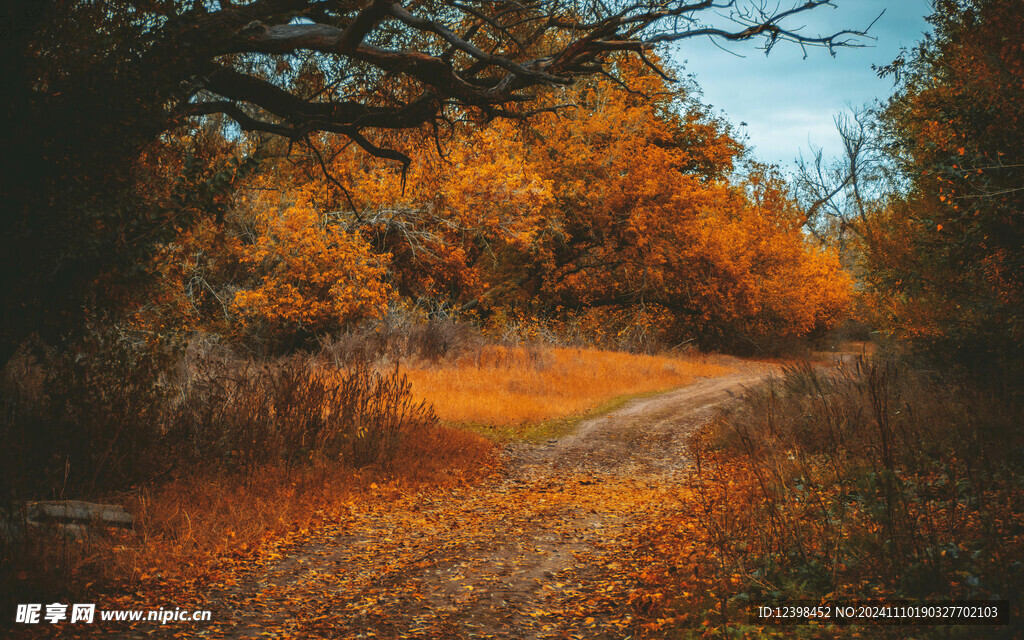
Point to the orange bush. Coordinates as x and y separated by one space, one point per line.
313 275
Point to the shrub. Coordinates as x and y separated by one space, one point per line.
106 416
293 412
873 480
402 334
84 421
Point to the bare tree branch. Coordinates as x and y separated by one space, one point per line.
399 69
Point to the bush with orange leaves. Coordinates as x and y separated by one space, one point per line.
309 275
277 273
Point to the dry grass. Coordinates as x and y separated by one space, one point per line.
517 386
243 453
189 526
866 481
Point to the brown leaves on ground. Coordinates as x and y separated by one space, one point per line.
512 557
553 544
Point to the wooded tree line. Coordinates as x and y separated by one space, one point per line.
292 166
930 192
138 120
550 219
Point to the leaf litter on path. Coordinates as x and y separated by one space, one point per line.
548 547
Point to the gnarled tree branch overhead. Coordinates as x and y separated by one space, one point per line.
403 64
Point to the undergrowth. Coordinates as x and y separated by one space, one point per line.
871 481
209 452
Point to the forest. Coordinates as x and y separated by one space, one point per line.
473 319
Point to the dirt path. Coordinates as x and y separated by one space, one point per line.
646 437
531 553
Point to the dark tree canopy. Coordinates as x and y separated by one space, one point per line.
90 83
955 129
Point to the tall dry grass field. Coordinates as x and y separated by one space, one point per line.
514 386
867 481
232 456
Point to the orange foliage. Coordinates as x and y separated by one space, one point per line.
561 220
564 215
727 258
313 275
762 278
277 263
492 192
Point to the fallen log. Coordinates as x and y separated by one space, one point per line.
77 512
72 518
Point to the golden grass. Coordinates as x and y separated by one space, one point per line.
518 386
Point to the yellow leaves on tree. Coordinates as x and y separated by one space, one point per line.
311 275
620 202
492 191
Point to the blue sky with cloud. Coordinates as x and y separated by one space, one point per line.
789 102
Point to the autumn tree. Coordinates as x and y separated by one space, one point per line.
557 218
90 84
686 229
956 130
931 189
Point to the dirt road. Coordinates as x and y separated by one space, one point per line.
645 438
530 553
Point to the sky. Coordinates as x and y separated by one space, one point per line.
787 102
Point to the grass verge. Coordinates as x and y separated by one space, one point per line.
532 393
548 429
